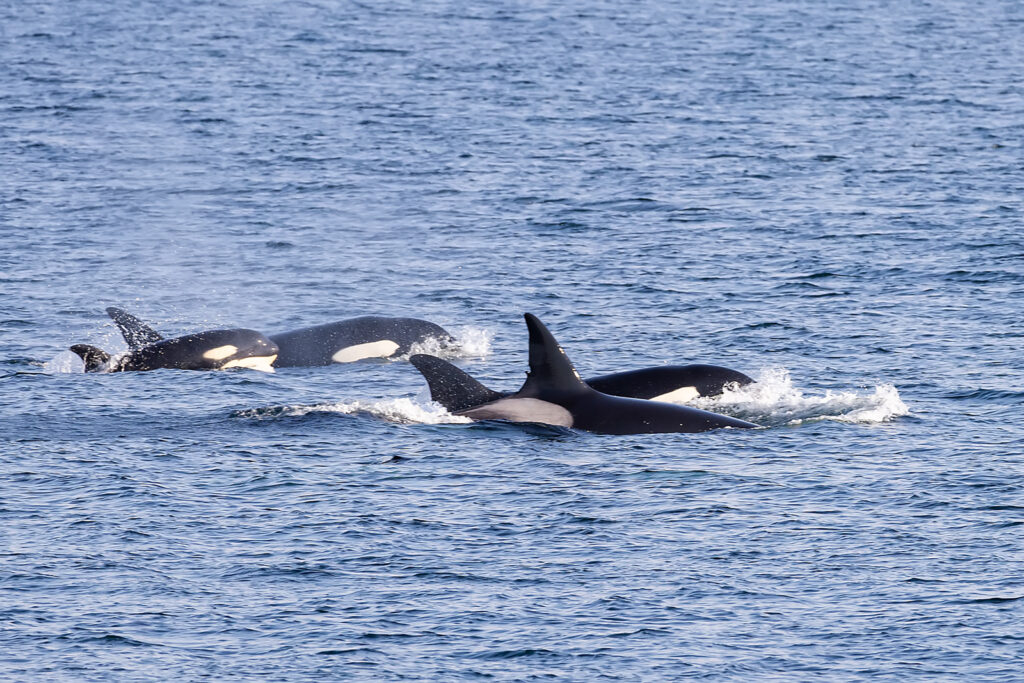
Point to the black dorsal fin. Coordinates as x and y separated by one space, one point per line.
94 358
450 386
135 332
550 368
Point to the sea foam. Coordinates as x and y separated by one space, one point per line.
470 342
398 410
774 400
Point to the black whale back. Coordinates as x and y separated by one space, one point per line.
312 346
708 380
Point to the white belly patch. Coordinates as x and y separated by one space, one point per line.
680 395
261 363
522 410
377 349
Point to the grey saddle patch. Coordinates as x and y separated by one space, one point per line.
522 410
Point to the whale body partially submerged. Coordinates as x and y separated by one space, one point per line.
555 394
343 341
207 350
456 390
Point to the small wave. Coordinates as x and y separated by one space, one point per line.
116 639
399 410
515 654
986 394
996 600
295 570
773 400
349 651
982 276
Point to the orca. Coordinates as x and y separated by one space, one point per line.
555 394
345 341
207 350
671 383
456 390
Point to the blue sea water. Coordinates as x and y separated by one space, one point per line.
826 196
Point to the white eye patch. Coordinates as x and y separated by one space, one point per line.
221 352
377 349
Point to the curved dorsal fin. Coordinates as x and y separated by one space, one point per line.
135 332
94 358
451 386
550 368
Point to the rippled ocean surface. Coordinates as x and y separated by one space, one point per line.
826 196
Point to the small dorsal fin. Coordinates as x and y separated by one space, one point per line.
450 386
136 333
94 358
550 368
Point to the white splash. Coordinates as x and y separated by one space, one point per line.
773 400
64 362
67 362
399 410
403 411
470 342
474 342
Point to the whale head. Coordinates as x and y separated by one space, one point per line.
222 350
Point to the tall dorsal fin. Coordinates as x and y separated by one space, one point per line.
451 386
135 332
94 358
550 368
